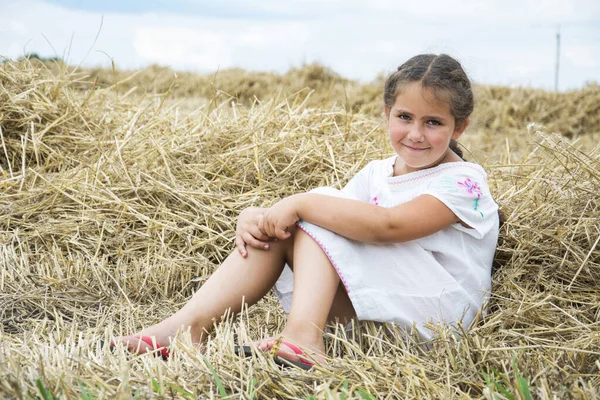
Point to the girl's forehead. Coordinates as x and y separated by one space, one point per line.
415 96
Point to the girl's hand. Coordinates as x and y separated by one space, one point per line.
247 231
278 220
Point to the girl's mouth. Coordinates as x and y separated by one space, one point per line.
415 148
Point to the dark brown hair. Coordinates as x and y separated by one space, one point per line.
444 76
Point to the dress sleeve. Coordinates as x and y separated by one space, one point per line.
466 193
358 186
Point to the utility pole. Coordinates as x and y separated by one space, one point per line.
557 58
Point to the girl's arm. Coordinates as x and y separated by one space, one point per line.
358 220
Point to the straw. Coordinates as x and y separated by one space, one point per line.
114 209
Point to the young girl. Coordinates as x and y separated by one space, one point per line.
410 239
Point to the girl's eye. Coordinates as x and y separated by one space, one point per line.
433 122
404 117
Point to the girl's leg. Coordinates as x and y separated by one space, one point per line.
318 298
237 279
342 310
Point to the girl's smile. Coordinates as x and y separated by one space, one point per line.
415 148
421 127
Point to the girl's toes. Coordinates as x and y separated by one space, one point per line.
132 343
264 344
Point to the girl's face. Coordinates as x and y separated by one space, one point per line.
421 127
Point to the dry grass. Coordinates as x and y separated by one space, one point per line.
116 202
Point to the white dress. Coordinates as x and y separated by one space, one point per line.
441 278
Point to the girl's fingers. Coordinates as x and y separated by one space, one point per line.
282 234
252 241
241 246
261 224
258 234
266 227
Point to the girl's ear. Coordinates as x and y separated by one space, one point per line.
460 129
386 110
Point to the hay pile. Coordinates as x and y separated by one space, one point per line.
115 206
571 113
499 109
245 87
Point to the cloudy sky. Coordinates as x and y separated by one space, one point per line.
507 42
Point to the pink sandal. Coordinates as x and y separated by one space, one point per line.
284 361
163 351
280 360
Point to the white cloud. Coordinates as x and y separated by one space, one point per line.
17 27
440 11
203 44
580 56
183 47
508 42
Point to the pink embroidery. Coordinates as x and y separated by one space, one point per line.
375 201
429 173
473 189
322 246
470 187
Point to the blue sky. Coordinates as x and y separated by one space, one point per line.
509 42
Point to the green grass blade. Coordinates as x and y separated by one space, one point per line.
218 381
156 386
46 395
523 386
522 383
364 394
181 390
84 393
251 388
344 390
491 381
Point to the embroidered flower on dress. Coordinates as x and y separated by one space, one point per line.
473 189
375 201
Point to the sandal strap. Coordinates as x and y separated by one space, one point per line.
148 340
298 352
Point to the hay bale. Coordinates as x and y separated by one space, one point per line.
571 113
111 218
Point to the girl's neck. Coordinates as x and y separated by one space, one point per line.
400 167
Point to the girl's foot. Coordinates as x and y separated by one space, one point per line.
142 342
294 350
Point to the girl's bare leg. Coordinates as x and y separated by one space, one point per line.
318 298
237 279
342 310
318 295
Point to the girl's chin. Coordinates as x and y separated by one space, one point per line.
420 164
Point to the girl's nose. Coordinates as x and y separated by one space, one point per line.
415 135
